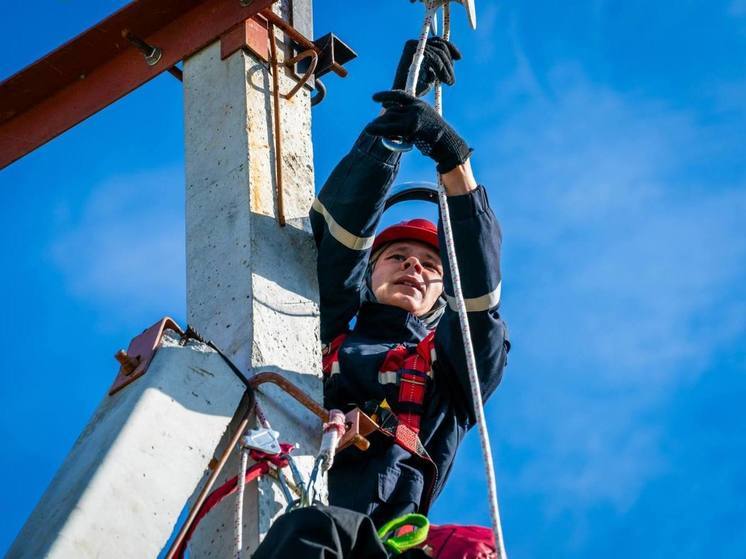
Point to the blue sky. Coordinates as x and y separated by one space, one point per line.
610 137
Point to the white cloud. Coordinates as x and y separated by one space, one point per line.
123 253
622 273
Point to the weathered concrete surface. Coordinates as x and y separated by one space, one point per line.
251 284
121 489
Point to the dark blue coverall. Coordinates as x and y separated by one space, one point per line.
386 481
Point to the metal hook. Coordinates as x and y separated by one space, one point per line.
320 92
310 53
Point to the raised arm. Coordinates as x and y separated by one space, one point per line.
346 212
344 218
477 238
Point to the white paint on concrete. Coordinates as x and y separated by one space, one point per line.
124 484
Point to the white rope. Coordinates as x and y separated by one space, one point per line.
239 501
419 55
471 363
262 418
332 433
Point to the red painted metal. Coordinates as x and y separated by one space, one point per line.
251 34
100 66
141 351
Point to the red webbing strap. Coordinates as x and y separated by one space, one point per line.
330 355
416 368
228 488
408 439
394 359
412 390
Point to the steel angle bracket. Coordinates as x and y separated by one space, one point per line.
358 426
334 53
105 63
309 60
135 361
331 54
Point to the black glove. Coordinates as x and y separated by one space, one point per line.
415 121
437 64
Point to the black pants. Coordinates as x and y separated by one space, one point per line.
325 533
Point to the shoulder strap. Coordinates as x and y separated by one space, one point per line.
412 369
330 355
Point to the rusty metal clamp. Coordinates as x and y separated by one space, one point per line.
310 53
357 427
304 399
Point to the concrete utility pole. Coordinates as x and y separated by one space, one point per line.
251 284
251 288
122 487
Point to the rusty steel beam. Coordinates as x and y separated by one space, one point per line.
101 65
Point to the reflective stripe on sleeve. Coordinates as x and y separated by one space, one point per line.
478 304
342 235
389 377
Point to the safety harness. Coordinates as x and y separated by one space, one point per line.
398 419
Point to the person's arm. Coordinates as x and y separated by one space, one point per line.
477 239
346 212
344 218
459 180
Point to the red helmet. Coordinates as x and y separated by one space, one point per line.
420 230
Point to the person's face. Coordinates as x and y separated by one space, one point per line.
408 274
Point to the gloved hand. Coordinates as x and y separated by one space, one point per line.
417 122
437 64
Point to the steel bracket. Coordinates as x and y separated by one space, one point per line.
358 426
135 361
334 53
312 59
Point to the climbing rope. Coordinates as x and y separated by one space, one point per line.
265 463
333 431
239 500
431 7
261 445
414 70
262 440
272 458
